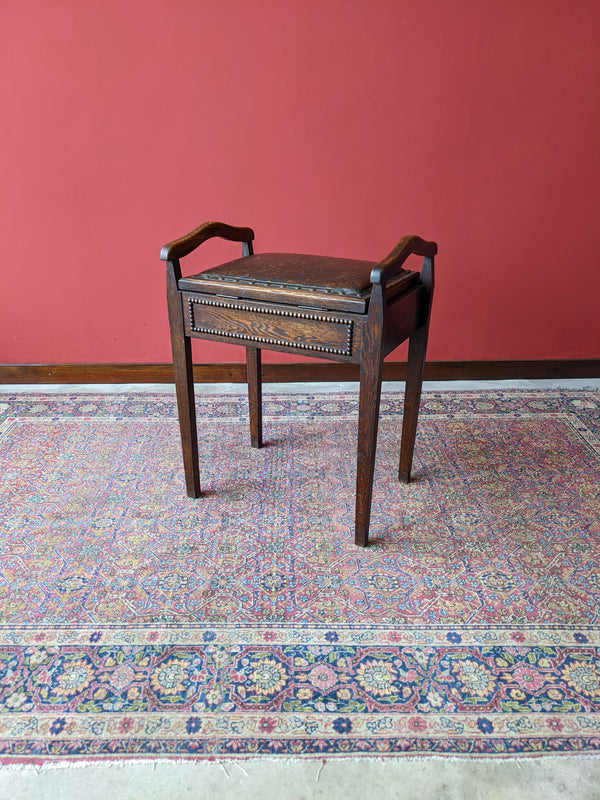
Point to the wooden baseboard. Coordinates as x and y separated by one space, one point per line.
290 373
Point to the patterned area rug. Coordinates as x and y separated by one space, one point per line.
137 622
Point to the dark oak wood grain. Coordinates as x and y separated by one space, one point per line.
186 244
407 246
254 379
343 310
277 327
371 364
414 372
184 382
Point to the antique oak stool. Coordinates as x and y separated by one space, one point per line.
335 308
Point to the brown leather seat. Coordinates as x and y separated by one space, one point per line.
337 308
323 282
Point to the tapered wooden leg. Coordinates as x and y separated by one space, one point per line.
412 400
254 378
184 385
368 421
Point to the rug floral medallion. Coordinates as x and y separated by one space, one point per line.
135 622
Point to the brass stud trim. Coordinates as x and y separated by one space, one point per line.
275 312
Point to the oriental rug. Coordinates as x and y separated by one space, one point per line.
135 622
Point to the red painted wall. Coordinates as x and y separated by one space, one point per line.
330 126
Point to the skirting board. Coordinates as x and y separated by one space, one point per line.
290 373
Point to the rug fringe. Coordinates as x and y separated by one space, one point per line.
225 763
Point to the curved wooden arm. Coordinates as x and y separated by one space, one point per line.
185 244
409 245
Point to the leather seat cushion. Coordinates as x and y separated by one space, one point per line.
323 274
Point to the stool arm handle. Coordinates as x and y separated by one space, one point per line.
185 244
409 245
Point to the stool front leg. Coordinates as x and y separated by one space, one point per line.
368 421
254 379
184 385
371 368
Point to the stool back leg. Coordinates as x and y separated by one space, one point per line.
254 379
412 399
415 367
